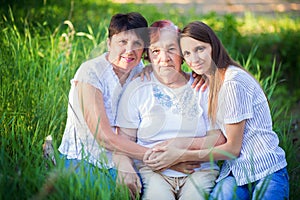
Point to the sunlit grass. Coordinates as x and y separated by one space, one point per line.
252 24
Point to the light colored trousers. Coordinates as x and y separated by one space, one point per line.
195 186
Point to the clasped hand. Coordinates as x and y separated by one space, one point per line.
165 156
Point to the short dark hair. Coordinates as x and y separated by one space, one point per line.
129 21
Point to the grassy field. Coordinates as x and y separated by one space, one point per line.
43 43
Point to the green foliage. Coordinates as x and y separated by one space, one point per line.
42 43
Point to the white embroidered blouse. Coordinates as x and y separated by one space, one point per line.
160 113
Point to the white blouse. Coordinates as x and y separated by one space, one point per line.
78 142
241 98
160 113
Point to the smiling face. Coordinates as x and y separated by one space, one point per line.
165 55
125 50
197 55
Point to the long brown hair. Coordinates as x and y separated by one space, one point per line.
220 61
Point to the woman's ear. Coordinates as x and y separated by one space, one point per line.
108 44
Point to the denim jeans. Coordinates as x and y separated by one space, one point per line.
273 187
86 170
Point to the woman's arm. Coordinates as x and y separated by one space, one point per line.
212 138
145 73
94 113
126 172
229 150
199 82
160 157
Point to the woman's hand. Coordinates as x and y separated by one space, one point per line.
199 82
162 157
127 174
145 72
131 180
186 167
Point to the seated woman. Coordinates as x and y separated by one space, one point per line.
254 164
89 136
164 108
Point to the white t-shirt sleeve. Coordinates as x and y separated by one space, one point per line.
87 73
128 113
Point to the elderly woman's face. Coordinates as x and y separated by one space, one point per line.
125 50
164 54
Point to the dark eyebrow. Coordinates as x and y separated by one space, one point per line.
196 48
123 38
139 40
170 45
153 47
185 52
199 46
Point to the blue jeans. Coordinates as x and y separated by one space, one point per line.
86 171
273 187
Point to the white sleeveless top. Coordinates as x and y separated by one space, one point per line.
78 142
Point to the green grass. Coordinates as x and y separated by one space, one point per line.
42 45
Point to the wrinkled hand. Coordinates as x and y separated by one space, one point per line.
127 174
162 157
145 72
186 167
132 181
199 82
